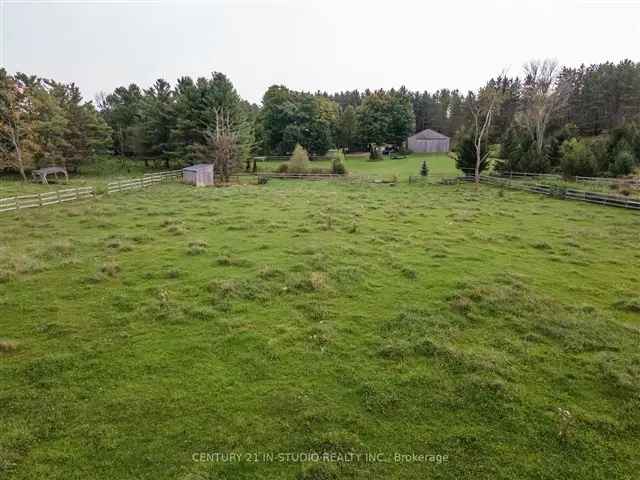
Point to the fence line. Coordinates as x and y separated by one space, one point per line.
561 192
168 174
147 180
631 182
21 202
309 176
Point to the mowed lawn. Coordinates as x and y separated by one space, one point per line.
359 164
142 330
109 169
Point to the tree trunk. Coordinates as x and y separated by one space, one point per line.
20 165
477 169
16 145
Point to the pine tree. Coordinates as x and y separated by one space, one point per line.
424 169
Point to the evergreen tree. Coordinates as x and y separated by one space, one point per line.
424 169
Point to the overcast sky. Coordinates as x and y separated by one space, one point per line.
310 45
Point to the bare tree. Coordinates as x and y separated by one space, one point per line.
224 141
483 110
543 97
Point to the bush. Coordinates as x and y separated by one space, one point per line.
623 163
424 169
567 132
600 148
299 161
375 154
283 168
338 166
577 159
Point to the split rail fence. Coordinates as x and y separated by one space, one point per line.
21 202
147 180
561 192
610 181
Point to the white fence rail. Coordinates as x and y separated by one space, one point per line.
169 174
147 180
21 202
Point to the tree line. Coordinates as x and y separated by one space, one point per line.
578 121
43 122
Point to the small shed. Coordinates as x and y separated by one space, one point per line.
40 175
200 175
428 141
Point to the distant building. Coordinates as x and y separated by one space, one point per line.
199 175
428 141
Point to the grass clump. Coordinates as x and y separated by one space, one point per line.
8 346
110 269
231 261
197 247
271 273
631 305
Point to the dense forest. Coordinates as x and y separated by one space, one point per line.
578 121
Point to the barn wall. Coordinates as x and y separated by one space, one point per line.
428 146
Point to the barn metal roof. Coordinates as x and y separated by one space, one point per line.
429 134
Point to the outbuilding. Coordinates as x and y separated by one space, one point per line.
200 175
428 141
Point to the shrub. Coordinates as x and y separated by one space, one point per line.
299 161
338 166
576 158
600 148
623 163
375 154
424 169
283 168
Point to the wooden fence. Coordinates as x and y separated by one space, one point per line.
147 180
561 192
166 175
22 202
610 181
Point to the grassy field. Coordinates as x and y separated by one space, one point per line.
439 164
107 169
142 330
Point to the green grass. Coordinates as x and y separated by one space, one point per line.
140 329
439 164
97 174
108 169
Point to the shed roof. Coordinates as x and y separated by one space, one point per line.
48 170
429 134
199 166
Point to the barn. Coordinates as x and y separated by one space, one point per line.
428 141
